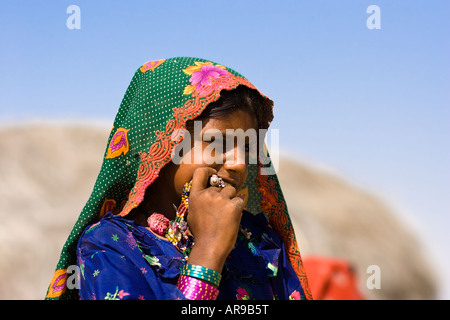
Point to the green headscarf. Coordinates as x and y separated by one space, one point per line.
161 97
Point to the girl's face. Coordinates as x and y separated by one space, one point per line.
218 149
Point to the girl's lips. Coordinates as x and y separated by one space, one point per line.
230 182
227 184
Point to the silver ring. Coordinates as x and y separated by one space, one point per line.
216 181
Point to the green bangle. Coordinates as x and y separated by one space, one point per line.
202 273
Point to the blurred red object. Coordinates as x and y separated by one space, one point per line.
331 279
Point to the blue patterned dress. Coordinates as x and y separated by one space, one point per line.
120 260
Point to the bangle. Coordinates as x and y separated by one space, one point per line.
202 273
195 289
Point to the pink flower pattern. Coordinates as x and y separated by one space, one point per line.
242 294
295 295
206 78
123 294
206 75
118 295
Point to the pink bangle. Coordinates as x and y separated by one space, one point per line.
195 289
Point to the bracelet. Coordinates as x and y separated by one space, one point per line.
195 289
202 273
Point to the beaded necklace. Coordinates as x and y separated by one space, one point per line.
176 231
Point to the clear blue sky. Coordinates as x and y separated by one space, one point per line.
372 105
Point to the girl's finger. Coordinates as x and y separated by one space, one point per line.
229 191
200 178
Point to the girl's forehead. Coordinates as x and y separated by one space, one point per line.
237 119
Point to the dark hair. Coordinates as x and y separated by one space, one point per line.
241 98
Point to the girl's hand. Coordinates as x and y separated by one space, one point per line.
214 219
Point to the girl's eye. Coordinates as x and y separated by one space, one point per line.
209 139
215 140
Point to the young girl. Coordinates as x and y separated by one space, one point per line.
211 225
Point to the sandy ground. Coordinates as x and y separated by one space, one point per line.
48 170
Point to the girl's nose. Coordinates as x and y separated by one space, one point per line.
235 160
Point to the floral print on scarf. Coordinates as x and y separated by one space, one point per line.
206 78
